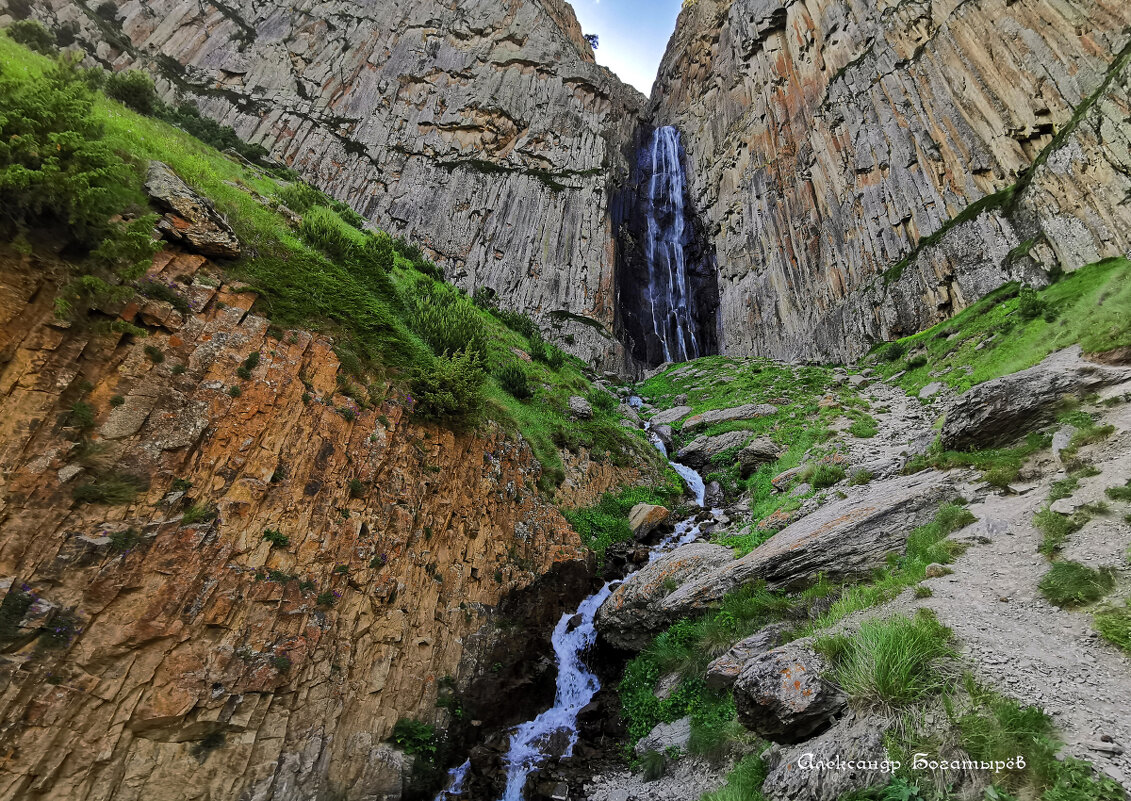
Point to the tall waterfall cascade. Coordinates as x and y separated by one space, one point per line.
669 290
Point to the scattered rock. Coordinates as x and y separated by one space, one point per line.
783 479
669 416
666 735
1061 440
1000 411
723 671
781 696
645 517
757 453
749 411
190 219
858 381
850 739
702 449
932 389
1063 506
580 408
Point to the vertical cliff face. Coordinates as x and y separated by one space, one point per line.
483 130
212 594
868 168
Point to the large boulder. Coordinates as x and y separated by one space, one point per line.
702 449
723 671
844 539
794 772
669 416
645 517
579 408
999 411
190 219
749 411
630 616
781 696
757 453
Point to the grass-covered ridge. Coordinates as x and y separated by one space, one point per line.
392 317
1014 328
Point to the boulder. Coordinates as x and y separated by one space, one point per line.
757 453
664 736
702 449
580 408
645 517
932 389
850 739
999 411
669 416
664 433
190 219
631 615
723 671
783 479
781 696
628 413
713 495
843 539
858 381
748 411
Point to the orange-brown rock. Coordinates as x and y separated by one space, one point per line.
161 648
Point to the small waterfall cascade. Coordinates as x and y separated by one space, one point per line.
554 732
669 289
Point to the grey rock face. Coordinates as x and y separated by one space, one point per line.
999 411
190 219
850 739
723 671
631 616
781 696
702 449
842 539
483 130
826 141
747 411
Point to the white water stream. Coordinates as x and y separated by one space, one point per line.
554 732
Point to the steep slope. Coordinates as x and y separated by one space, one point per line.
483 130
866 169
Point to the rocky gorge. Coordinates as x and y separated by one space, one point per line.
393 402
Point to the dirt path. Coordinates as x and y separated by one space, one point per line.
1027 648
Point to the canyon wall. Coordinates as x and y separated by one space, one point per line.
160 645
482 130
866 168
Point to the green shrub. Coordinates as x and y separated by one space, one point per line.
414 737
1114 625
917 361
133 88
357 489
110 488
512 378
323 229
448 322
300 197
82 416
234 391
602 401
276 537
187 118
199 513
744 782
891 662
1030 305
1073 584
154 354
125 540
822 475
33 35
282 664
860 477
117 400
449 388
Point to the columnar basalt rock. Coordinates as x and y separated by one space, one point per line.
867 169
294 575
482 130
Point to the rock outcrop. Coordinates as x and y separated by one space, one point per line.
189 219
222 594
484 131
865 170
781 695
999 411
841 540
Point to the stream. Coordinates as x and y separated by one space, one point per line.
554 732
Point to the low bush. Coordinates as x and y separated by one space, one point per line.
110 488
891 662
1030 305
415 737
133 88
33 35
449 388
512 378
448 322
822 475
1068 584
199 513
276 538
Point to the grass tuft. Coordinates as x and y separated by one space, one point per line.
1069 584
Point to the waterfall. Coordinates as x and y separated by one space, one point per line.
669 296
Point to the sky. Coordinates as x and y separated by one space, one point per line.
633 35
